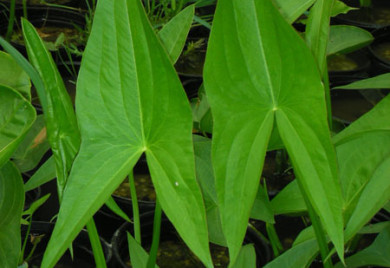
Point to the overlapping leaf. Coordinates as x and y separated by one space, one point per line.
61 124
130 101
258 68
11 208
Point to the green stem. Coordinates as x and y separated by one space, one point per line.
327 97
134 202
173 5
156 236
24 3
97 249
11 20
274 239
21 256
319 231
365 3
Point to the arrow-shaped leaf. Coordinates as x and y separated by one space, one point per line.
129 101
257 69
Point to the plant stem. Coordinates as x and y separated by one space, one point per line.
134 202
21 254
24 3
97 249
365 3
156 236
319 231
274 239
327 97
11 20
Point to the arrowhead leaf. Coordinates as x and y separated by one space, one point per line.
257 71
129 101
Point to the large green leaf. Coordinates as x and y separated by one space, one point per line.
346 38
174 33
61 124
17 116
292 9
257 67
11 208
129 101
13 76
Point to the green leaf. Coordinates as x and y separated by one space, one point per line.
130 101
377 82
345 39
340 7
13 76
246 258
138 256
253 72
17 116
113 206
298 256
374 228
61 124
35 205
289 200
377 254
33 146
44 174
174 34
262 209
292 9
11 208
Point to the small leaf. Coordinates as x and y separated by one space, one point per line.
174 33
35 205
113 206
262 209
377 82
11 208
340 7
289 200
293 9
44 174
346 39
138 256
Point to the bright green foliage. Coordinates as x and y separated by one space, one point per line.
289 200
138 256
174 34
11 207
61 124
13 76
45 173
129 101
258 70
17 116
246 258
345 39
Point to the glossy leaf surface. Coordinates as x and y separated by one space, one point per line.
130 101
17 116
13 76
258 68
61 124
345 39
174 33
11 208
